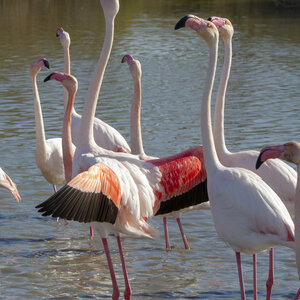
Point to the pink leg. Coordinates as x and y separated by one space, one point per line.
186 244
270 280
239 265
116 293
254 278
297 295
91 232
127 292
166 233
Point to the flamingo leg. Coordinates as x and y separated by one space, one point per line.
127 292
116 293
270 280
297 295
186 244
239 265
91 232
166 233
254 278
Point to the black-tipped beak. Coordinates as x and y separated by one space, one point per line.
46 63
259 161
123 59
57 35
48 77
181 22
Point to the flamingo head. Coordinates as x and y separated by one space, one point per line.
134 66
8 184
36 66
64 37
224 27
110 8
205 28
289 152
68 81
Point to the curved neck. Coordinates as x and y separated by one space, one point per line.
67 138
135 124
210 155
218 128
297 222
39 123
86 124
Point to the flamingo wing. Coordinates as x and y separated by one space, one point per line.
93 195
183 181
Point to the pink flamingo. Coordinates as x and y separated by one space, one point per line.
48 152
105 135
137 144
277 174
8 184
117 192
248 215
289 152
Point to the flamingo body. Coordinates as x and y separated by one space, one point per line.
277 174
248 215
49 155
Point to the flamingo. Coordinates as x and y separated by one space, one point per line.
48 152
289 152
248 215
137 141
105 135
8 184
117 191
277 174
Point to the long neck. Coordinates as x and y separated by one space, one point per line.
67 70
135 126
218 127
210 155
67 138
86 124
39 123
297 222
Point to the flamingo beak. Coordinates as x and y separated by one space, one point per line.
48 77
46 63
269 152
181 22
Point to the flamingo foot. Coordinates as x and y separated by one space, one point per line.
127 294
297 295
57 220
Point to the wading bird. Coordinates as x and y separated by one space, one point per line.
248 215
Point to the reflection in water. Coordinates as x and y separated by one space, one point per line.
41 259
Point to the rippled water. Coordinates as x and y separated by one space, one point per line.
40 259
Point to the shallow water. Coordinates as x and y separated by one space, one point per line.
40 259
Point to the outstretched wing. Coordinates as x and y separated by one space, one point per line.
94 195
